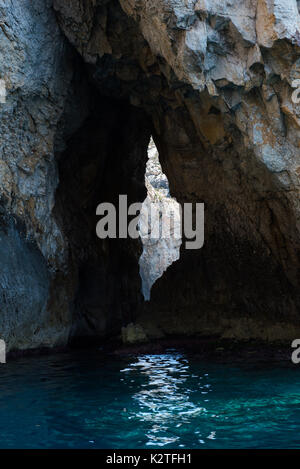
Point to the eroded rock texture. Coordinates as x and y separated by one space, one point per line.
159 225
216 78
212 81
64 149
35 64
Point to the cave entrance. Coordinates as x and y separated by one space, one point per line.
159 224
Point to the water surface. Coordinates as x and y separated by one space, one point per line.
168 401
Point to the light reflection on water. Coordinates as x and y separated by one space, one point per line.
164 400
181 404
172 400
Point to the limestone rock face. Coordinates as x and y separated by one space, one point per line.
217 79
57 162
214 82
159 225
34 63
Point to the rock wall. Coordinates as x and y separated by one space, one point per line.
216 78
159 225
63 150
212 81
35 62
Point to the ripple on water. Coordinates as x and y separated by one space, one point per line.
164 400
83 400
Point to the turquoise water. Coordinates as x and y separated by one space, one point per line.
167 401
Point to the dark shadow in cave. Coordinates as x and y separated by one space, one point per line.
244 274
105 157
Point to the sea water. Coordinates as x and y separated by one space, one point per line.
164 401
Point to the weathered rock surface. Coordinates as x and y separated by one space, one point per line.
58 157
212 81
159 225
35 64
216 78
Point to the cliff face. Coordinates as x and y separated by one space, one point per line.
212 81
159 225
34 62
59 159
